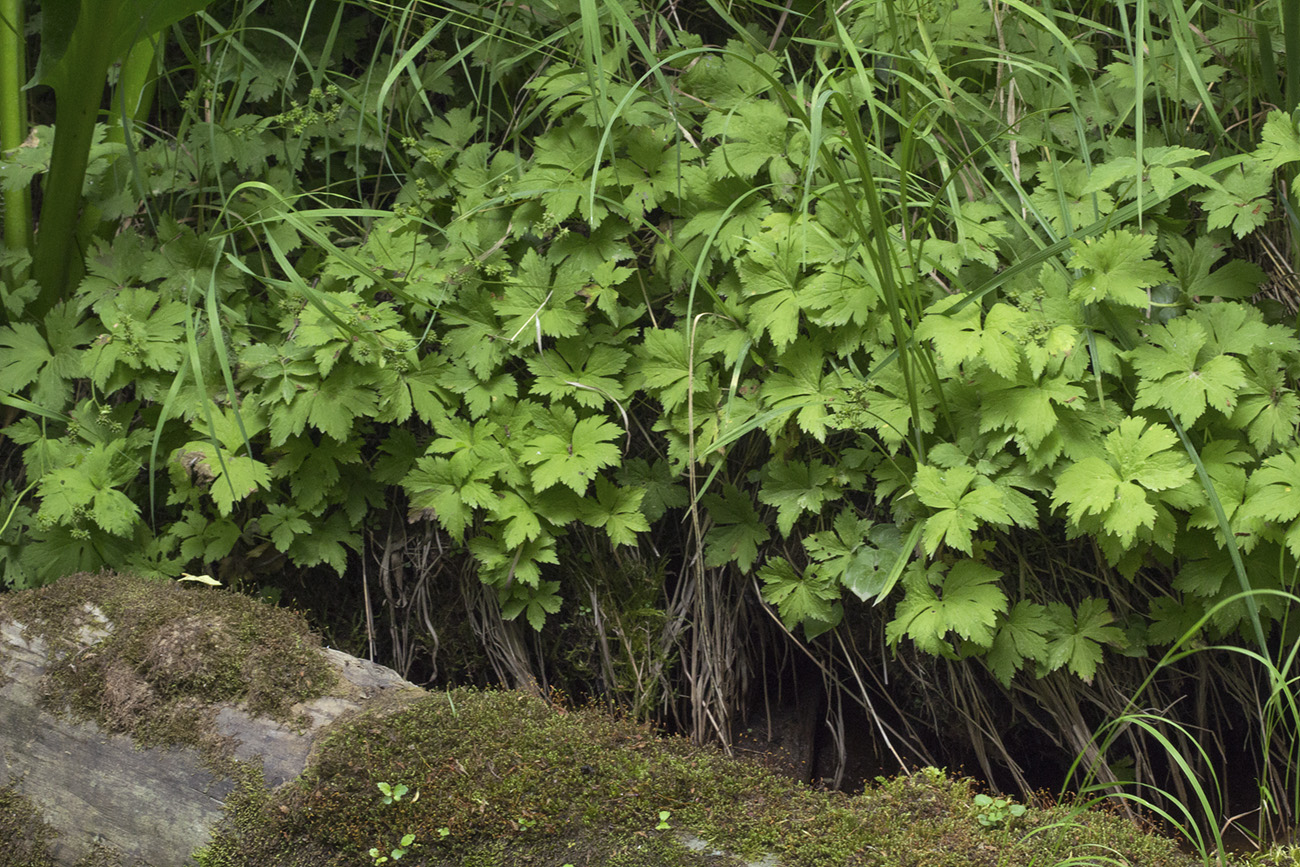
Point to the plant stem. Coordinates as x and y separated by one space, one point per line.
56 263
13 120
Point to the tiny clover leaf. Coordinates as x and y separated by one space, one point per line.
967 602
1177 375
575 460
1078 637
392 793
1117 267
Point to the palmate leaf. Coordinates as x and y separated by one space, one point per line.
531 307
967 602
736 532
573 460
799 598
1176 374
964 500
139 334
1240 200
1140 461
501 565
1022 636
1029 407
1273 494
533 602
1117 267
664 366
1280 141
795 487
751 134
283 523
617 510
802 388
230 478
437 489
69 492
1079 636
327 544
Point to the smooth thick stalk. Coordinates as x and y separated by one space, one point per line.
76 110
13 120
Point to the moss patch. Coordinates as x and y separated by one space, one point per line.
168 652
504 778
24 837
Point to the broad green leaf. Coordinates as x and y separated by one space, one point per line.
573 460
1117 267
967 602
1022 636
736 532
1177 374
798 598
533 602
795 487
617 510
1078 639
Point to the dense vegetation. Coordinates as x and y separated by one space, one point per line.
951 344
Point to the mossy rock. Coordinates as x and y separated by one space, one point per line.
143 677
130 709
496 778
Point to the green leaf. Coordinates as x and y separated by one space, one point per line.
618 510
964 500
573 460
1118 488
1240 200
661 489
736 532
1279 141
1178 374
1078 639
436 489
801 388
799 598
663 365
967 602
795 487
751 134
534 602
1028 407
229 478
283 523
1117 267
326 544
1021 637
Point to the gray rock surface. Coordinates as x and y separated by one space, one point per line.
152 805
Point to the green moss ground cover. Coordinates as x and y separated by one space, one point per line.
503 778
493 777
